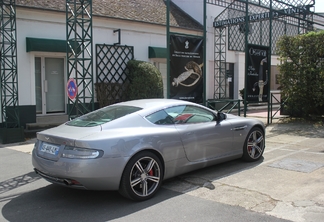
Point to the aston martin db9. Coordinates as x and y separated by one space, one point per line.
133 146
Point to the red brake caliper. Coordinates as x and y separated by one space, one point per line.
250 148
150 172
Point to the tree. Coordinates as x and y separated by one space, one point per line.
145 81
302 73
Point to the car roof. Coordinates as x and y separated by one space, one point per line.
154 103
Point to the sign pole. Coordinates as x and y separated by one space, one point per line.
168 47
204 53
246 54
269 66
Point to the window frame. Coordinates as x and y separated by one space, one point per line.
167 116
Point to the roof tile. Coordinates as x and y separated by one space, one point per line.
150 11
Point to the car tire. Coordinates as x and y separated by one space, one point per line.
254 145
142 177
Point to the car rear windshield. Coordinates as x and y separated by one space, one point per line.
103 115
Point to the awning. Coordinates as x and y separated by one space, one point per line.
45 45
157 52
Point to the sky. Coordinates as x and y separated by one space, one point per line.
319 6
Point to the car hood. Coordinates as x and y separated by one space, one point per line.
66 135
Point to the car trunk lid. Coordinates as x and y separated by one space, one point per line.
51 142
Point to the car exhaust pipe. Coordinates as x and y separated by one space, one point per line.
67 182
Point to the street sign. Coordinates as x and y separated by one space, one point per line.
72 88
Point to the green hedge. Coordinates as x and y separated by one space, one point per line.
145 81
301 75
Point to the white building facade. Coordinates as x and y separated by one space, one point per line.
42 71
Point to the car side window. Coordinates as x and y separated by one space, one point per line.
160 118
189 114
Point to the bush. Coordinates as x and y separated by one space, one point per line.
145 81
110 93
301 75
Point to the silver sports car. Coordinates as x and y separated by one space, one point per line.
133 146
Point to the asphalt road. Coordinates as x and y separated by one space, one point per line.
286 185
24 196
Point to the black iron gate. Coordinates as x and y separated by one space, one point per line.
261 23
111 72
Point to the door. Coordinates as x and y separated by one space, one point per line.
202 137
50 86
205 141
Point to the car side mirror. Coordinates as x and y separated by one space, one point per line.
221 117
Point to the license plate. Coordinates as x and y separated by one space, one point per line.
50 148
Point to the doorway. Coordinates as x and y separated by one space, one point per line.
50 85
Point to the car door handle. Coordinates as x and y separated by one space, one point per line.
239 128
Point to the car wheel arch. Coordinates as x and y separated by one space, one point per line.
259 126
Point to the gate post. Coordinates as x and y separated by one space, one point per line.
79 55
9 115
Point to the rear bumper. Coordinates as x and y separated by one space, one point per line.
94 174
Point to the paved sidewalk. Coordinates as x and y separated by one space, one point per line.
26 146
287 184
